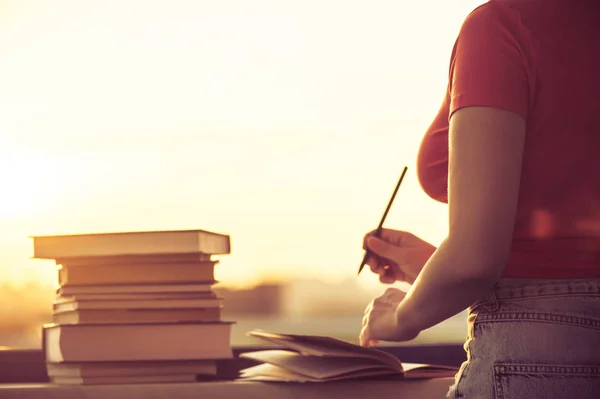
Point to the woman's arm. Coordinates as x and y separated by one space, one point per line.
485 157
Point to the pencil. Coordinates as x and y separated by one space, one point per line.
377 232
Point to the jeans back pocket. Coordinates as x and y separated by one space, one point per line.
548 381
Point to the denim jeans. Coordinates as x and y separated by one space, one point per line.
533 338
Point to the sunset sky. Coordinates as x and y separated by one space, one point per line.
283 123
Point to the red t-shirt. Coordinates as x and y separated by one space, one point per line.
541 60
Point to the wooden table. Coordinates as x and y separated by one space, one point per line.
380 389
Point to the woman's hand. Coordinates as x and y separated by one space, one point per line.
397 255
381 323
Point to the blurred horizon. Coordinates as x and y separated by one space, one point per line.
301 306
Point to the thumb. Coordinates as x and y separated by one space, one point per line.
380 247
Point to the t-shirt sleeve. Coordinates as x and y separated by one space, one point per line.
489 66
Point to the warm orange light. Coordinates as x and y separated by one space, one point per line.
265 120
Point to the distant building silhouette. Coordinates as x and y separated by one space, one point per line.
312 297
298 297
263 300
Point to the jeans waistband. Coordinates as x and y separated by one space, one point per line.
513 288
519 288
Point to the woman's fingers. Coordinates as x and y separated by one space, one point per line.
374 263
389 235
381 267
369 308
391 275
381 248
363 337
388 260
388 272
375 306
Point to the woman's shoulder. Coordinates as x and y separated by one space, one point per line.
493 8
493 16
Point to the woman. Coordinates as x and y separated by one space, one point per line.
515 152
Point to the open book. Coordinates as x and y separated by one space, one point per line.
308 358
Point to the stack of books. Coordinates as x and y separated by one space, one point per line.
135 307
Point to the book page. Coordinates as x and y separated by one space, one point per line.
317 366
327 346
269 372
276 372
416 370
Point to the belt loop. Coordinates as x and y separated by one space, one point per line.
492 299
489 301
